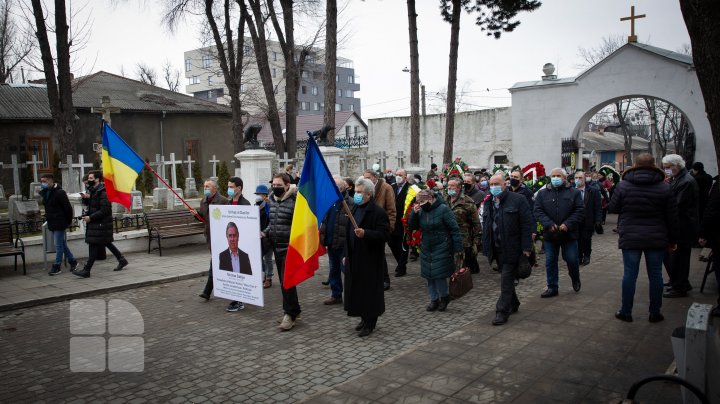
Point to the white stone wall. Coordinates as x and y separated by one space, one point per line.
543 115
479 136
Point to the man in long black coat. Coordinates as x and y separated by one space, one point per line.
364 259
397 239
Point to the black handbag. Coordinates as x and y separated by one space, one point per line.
524 268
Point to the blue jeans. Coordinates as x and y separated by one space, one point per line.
631 264
61 247
437 288
268 265
569 254
336 270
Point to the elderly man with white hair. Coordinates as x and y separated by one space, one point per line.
685 189
559 208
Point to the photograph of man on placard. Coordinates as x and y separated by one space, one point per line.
234 259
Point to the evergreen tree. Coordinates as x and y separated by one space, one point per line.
180 176
139 184
148 179
197 174
223 178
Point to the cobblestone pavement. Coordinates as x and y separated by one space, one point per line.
197 352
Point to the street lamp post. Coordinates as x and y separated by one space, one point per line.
422 92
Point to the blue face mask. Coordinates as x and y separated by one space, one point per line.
44 185
452 192
207 192
357 198
555 181
231 192
495 190
483 183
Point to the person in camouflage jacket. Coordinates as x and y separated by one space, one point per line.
467 219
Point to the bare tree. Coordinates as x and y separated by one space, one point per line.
414 85
494 17
171 75
59 89
591 56
15 44
331 14
146 73
701 18
229 45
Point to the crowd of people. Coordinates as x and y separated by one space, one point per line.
446 219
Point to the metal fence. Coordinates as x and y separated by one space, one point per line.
120 224
340 143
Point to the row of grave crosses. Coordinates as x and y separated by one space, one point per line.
160 165
34 162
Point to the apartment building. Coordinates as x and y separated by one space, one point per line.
205 81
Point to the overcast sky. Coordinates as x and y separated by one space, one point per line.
378 44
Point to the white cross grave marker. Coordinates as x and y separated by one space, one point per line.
214 162
35 163
172 163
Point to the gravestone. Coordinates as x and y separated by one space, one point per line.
23 210
190 185
160 193
70 176
214 162
173 202
256 167
3 200
78 208
17 190
137 202
160 198
332 155
35 185
173 174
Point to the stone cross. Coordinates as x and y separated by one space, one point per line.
285 160
383 159
16 173
344 161
214 162
159 169
363 161
632 18
106 109
68 181
82 165
432 157
189 162
172 163
35 163
400 159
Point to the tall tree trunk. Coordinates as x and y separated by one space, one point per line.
230 63
293 66
414 86
256 26
330 66
701 17
452 82
627 136
60 89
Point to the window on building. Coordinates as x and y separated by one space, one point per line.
210 82
303 90
501 159
41 147
274 56
347 132
305 74
356 130
314 91
317 75
316 106
192 149
246 50
337 78
304 106
352 107
242 88
338 107
194 80
349 93
188 65
351 79
274 72
206 61
211 94
339 93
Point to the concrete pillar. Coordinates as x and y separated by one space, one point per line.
256 167
332 156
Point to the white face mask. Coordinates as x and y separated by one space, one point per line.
668 172
399 179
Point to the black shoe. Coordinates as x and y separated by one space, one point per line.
496 269
667 284
656 318
73 265
434 304
122 263
360 326
400 274
55 270
204 296
386 285
624 317
84 273
576 286
500 319
364 332
325 283
444 303
549 293
585 261
672 293
514 308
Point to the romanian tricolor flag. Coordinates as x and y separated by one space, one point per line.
317 193
121 166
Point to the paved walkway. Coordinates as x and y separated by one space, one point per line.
567 349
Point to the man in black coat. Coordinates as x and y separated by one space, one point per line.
364 257
559 210
592 205
234 259
99 224
704 182
332 235
685 189
507 225
59 215
710 236
471 190
397 239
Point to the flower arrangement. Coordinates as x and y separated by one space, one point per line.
456 169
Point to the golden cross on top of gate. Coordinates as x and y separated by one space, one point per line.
632 18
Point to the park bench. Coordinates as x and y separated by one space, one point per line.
9 244
171 224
